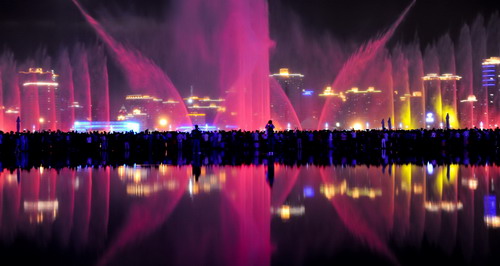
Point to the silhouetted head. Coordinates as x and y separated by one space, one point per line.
196 126
270 122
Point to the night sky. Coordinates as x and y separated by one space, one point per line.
26 24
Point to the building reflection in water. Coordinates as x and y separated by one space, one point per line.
231 215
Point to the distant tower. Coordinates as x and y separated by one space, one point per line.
293 85
433 103
466 107
417 112
491 76
359 108
449 98
39 108
335 102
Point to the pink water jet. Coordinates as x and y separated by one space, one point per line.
355 67
141 73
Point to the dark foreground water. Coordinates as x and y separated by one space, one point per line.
251 215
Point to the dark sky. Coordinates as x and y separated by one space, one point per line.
26 24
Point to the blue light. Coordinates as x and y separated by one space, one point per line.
429 118
308 192
490 205
488 70
488 85
430 169
115 126
307 93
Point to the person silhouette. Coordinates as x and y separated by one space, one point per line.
196 137
270 137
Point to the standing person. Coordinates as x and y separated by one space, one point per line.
383 124
270 136
389 124
447 121
196 137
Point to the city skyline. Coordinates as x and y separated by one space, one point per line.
175 57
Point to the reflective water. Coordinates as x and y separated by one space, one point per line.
251 215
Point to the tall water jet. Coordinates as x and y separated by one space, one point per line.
415 74
478 37
1 98
99 87
66 91
432 86
142 74
244 75
493 31
11 93
353 69
465 86
401 86
81 77
449 82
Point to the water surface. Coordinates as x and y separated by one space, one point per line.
266 214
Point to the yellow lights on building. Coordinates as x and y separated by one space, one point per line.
40 210
431 76
285 73
492 61
36 70
417 94
140 97
435 76
196 115
136 111
331 191
470 183
470 98
285 212
356 90
450 77
492 221
418 189
329 92
144 190
120 118
41 120
447 206
41 83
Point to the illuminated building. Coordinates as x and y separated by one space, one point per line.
203 110
39 90
491 84
417 113
359 107
402 109
292 84
449 98
433 104
335 101
466 109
